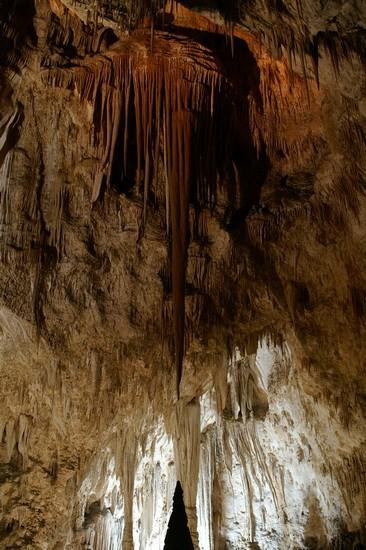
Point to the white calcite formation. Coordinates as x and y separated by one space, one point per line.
264 470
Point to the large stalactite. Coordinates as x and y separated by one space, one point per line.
169 97
187 117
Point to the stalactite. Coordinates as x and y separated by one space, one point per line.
100 510
10 438
167 94
244 381
184 427
149 95
351 478
5 172
126 451
207 507
9 131
67 32
282 99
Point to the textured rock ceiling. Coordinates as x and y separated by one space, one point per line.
183 273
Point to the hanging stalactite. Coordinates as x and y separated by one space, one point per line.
167 110
173 102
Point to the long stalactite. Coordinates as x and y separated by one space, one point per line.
175 115
165 106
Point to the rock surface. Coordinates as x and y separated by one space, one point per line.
183 273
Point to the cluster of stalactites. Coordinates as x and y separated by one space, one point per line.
176 125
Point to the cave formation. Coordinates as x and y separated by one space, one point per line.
182 274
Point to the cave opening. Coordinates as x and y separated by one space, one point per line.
178 534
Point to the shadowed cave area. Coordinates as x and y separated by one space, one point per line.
178 535
182 275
